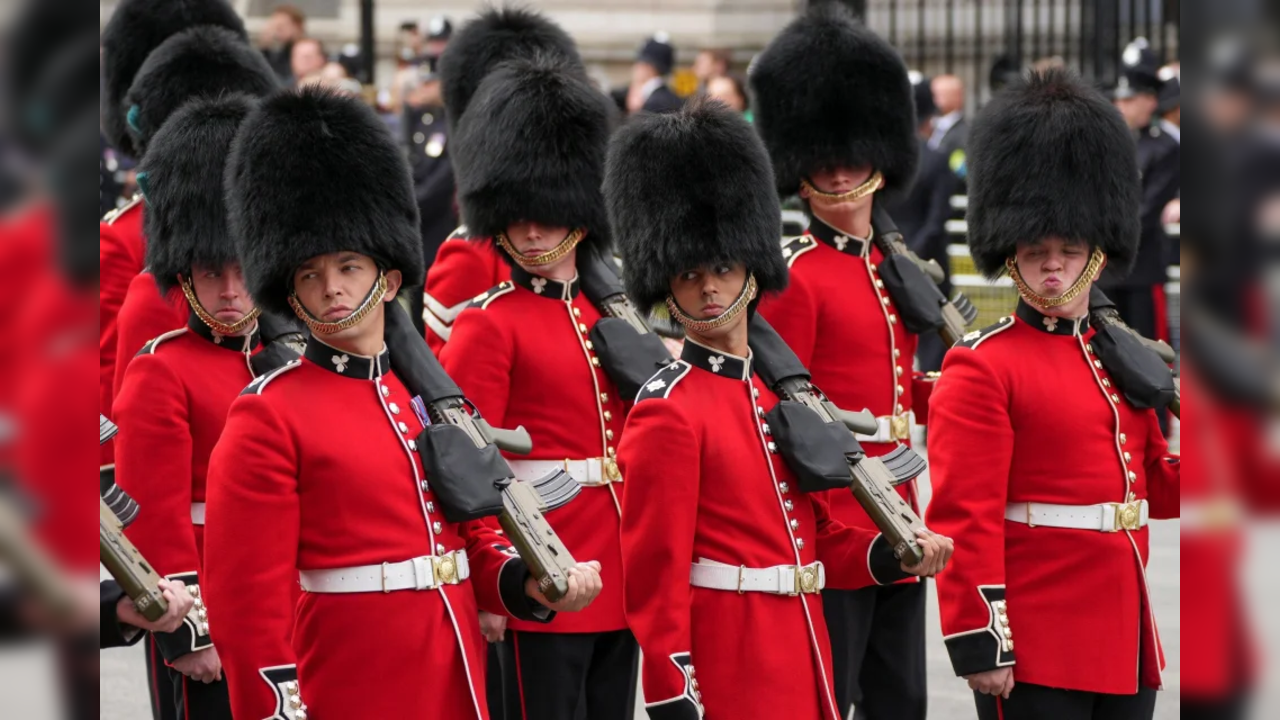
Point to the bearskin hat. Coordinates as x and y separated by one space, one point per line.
690 189
311 173
68 184
45 66
186 218
205 61
830 92
533 149
1051 157
497 36
136 28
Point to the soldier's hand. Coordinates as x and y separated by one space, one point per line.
175 594
937 551
584 586
993 682
493 627
202 665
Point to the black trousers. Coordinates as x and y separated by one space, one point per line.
176 697
877 647
1037 702
563 676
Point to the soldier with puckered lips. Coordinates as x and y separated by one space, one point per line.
718 541
316 481
1044 471
467 263
835 107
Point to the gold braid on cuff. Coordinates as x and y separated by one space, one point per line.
320 327
553 255
221 328
749 291
873 183
1081 285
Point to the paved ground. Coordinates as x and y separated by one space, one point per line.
123 691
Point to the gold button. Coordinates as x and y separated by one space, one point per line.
612 452
577 312
1115 398
897 353
899 410
595 362
1089 347
437 528
1106 383
582 328
608 416
898 370
608 434
900 390
795 524
880 284
1133 476
604 397
884 301
784 488
893 319
1128 458
1097 364
790 506
590 345
1123 438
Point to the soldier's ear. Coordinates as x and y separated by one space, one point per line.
394 280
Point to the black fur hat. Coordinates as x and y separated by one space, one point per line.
689 189
136 28
533 149
45 67
828 92
311 173
1051 157
496 36
203 61
186 218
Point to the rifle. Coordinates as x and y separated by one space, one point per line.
778 366
1139 366
914 285
873 479
118 555
479 482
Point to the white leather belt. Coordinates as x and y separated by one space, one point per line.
890 428
421 573
777 580
592 472
1107 517
197 513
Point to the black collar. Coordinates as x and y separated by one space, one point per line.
716 362
542 286
1053 326
360 367
244 343
846 244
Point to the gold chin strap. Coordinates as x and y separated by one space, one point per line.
749 292
873 183
551 256
320 327
1081 285
221 328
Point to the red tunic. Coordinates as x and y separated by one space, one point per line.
145 314
522 356
1025 413
838 318
314 471
174 402
121 254
703 482
462 270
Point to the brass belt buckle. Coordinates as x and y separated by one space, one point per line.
900 426
1128 516
611 472
806 580
446 569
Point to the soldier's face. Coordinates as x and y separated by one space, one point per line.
333 286
837 181
1052 265
705 293
222 292
533 239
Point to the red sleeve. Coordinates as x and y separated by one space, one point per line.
251 553
971 452
460 272
117 265
498 574
659 518
794 314
479 359
853 557
153 465
143 316
1164 474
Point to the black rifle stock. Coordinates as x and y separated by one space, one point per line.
118 555
522 510
957 313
